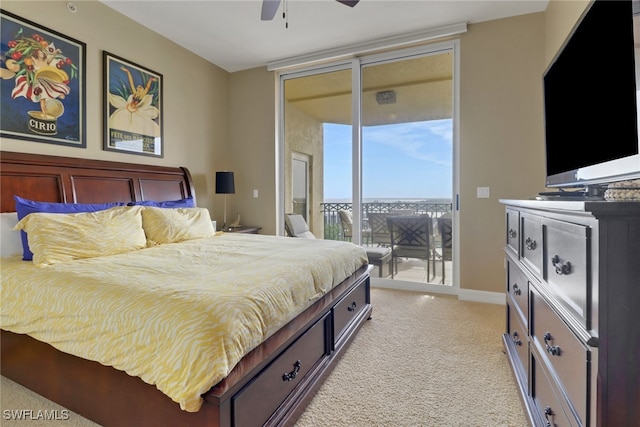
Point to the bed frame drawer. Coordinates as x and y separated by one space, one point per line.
280 378
345 311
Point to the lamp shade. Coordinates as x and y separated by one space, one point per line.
224 183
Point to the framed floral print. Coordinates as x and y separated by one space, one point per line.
133 108
42 83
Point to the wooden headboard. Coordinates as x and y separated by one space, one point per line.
73 180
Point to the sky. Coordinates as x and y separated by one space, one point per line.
400 161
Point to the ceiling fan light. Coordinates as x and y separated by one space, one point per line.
349 3
269 9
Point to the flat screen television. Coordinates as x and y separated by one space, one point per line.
590 101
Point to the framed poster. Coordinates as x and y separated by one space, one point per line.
42 83
132 108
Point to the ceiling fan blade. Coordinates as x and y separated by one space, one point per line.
269 9
349 3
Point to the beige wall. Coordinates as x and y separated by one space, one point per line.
501 137
252 148
196 92
560 18
220 121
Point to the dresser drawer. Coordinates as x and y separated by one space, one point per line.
563 351
567 266
513 231
281 377
518 336
518 289
548 399
348 309
531 239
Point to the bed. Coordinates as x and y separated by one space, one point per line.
268 385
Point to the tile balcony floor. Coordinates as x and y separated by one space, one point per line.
415 270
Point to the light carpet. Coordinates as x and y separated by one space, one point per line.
422 360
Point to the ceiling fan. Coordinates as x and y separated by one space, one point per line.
270 7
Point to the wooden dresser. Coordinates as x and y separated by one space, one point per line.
573 310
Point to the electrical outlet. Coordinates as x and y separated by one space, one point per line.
255 193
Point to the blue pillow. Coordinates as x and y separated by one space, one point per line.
25 206
182 203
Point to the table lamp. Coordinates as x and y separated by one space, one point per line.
225 185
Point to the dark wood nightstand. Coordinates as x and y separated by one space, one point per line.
249 229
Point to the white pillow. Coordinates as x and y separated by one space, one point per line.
10 242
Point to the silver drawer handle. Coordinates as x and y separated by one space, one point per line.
562 268
290 376
516 290
512 233
548 412
553 350
530 244
352 307
516 340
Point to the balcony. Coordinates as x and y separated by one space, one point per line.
409 269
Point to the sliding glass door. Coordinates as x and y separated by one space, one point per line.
379 136
310 101
407 159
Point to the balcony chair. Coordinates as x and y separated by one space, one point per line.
445 230
296 226
411 237
346 219
379 228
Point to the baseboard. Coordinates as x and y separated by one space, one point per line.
412 286
482 296
463 294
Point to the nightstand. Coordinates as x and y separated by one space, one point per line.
249 229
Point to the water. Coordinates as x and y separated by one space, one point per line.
393 200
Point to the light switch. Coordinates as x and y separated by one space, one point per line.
255 193
483 192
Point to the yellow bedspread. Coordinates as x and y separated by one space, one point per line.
179 316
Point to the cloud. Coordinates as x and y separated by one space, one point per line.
427 141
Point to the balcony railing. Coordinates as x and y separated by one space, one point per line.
333 227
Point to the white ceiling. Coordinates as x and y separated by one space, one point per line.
230 34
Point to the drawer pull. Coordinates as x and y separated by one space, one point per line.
516 340
290 376
561 267
530 244
352 307
553 350
547 413
512 233
516 289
